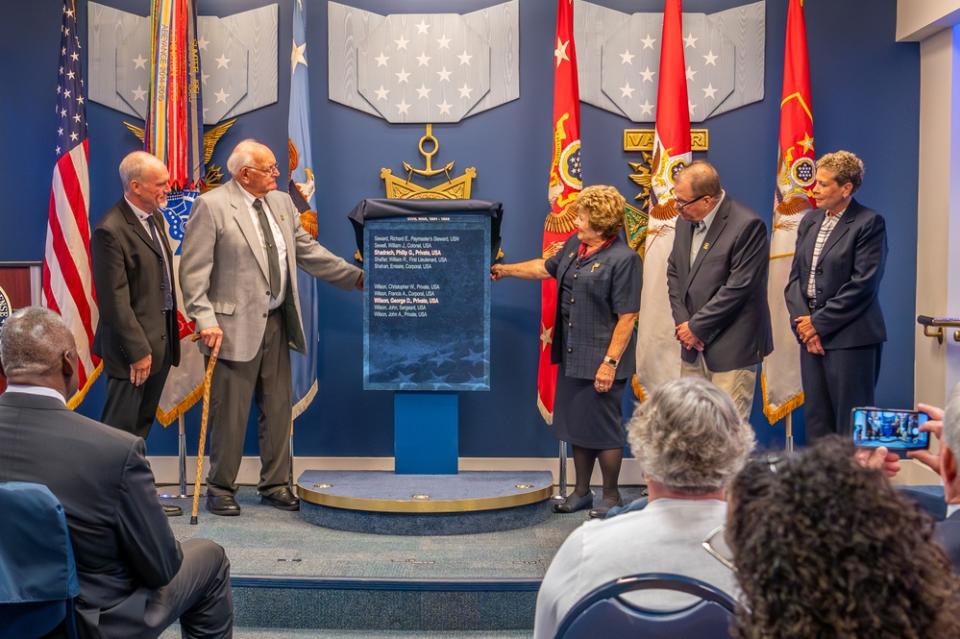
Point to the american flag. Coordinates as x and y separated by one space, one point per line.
67 280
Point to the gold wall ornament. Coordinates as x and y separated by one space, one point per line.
214 175
454 188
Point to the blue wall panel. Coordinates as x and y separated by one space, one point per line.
865 98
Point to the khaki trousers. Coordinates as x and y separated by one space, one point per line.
739 383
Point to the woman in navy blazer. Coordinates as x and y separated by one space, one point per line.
832 296
598 288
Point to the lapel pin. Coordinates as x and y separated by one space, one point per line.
706 246
571 254
596 265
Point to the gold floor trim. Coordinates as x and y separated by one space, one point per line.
424 506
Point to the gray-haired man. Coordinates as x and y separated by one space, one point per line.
238 270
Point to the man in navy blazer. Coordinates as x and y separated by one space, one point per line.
717 280
832 296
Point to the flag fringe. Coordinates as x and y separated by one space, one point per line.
166 418
300 407
81 394
544 413
638 391
775 414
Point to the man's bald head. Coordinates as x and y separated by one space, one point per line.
34 343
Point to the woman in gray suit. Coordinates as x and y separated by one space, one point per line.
598 287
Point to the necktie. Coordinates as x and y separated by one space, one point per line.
165 282
273 256
699 229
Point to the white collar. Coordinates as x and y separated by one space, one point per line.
952 508
708 220
140 213
29 389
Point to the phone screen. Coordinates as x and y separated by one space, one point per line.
898 430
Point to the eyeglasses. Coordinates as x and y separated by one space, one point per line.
716 546
682 204
270 170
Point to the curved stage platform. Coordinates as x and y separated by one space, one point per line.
383 502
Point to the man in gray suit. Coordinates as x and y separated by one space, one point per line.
717 278
135 577
238 274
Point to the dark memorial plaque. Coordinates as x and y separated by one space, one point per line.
427 302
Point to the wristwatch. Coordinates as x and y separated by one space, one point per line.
611 361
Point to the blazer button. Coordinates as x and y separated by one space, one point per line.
573 301
570 349
570 324
268 292
264 314
576 275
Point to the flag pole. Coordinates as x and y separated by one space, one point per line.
561 493
788 432
181 462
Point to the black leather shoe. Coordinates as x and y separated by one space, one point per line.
282 499
223 505
171 510
573 503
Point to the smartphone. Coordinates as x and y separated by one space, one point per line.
897 429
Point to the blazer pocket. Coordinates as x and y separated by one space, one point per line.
224 308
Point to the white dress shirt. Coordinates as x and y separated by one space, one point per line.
275 302
701 229
35 390
666 536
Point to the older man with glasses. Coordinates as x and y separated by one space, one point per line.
238 273
690 442
717 279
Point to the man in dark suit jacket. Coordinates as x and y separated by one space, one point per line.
717 279
135 578
832 297
137 336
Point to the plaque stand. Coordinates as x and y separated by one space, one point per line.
426 437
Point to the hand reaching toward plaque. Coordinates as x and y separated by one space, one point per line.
497 272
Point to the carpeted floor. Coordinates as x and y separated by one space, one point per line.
264 541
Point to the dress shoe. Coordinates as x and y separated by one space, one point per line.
223 505
600 512
282 499
171 510
573 503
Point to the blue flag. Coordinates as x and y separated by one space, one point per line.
301 190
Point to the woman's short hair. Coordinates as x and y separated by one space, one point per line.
846 167
824 547
605 208
689 437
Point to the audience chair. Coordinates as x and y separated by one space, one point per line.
38 575
602 612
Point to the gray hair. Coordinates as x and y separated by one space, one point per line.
689 437
33 340
133 166
242 155
951 421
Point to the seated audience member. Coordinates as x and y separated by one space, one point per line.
690 441
824 547
135 578
945 425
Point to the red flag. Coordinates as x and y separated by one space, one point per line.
67 277
780 377
564 187
658 353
